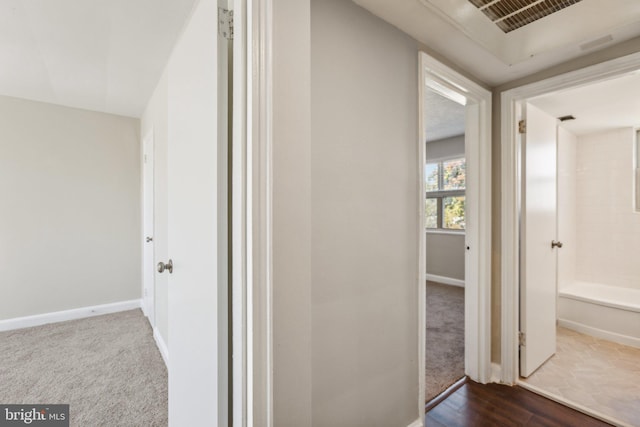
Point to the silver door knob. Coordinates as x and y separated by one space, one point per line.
149 239
168 266
555 244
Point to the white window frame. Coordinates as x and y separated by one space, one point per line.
440 195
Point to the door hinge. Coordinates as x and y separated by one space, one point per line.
522 339
225 23
522 126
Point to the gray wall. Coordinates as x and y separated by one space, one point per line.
445 148
445 254
292 333
364 97
70 216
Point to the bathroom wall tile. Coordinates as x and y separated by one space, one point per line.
607 237
567 191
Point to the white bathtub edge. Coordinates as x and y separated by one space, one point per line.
599 333
622 305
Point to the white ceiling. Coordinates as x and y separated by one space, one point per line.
443 117
461 33
101 55
601 106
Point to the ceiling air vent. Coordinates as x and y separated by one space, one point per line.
509 15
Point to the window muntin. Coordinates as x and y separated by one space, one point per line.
445 183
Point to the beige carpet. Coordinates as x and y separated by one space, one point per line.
107 368
445 337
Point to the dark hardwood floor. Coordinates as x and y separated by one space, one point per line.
475 404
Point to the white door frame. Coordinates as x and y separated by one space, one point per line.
511 180
148 283
249 400
258 322
478 233
238 232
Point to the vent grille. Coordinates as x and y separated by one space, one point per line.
509 15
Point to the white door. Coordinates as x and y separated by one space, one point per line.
148 270
197 207
538 257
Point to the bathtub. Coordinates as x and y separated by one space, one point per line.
603 311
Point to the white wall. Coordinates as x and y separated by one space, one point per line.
155 118
608 230
364 181
567 180
445 251
70 216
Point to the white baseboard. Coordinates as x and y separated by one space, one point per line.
62 316
445 280
143 307
162 346
496 373
600 333
416 423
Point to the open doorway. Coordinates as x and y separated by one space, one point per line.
445 182
578 317
455 229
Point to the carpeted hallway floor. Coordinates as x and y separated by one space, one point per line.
445 337
107 368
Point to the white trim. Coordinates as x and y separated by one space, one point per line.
510 245
478 232
446 232
445 158
563 401
510 190
496 372
63 316
422 245
162 346
445 280
239 242
148 294
416 423
259 209
599 333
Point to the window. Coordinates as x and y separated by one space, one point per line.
445 184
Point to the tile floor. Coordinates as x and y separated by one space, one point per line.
601 375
